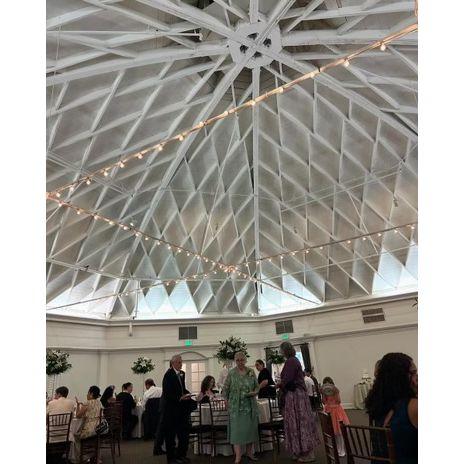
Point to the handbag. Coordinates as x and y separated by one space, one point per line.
102 428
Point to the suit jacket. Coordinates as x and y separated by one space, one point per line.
128 403
173 389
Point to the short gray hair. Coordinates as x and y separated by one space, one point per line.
176 356
287 349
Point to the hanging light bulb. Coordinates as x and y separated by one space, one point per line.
346 63
78 211
58 194
140 156
320 248
105 172
125 227
180 137
349 241
146 238
280 89
121 164
87 181
111 223
395 231
252 103
160 147
364 239
383 47
379 234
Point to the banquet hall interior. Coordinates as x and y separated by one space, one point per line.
224 176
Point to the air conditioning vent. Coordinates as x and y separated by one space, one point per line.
188 333
373 315
284 327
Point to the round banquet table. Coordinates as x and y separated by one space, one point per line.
138 429
264 415
360 393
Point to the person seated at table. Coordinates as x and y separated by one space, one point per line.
333 406
265 380
240 390
392 402
108 396
207 389
129 421
151 391
89 412
60 403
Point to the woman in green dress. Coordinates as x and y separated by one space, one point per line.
240 390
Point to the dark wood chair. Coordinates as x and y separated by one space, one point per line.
58 444
328 435
219 423
373 444
272 431
90 446
200 433
113 415
150 418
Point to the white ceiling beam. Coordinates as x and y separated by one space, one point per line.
330 37
160 55
253 10
303 13
144 19
235 9
256 134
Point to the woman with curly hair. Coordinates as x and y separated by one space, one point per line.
301 434
392 402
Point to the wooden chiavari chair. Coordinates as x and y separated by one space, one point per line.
373 444
90 446
328 436
219 421
58 444
113 415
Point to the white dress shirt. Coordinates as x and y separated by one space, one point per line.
310 387
61 406
152 392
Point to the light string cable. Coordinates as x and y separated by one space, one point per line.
133 291
228 269
321 246
343 61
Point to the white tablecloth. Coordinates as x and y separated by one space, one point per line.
138 429
264 415
360 393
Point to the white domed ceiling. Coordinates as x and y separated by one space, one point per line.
334 158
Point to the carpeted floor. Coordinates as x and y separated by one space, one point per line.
140 452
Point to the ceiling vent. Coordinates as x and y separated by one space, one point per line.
284 327
188 333
373 315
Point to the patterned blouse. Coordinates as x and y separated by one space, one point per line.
91 418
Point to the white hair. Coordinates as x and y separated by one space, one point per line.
240 354
176 356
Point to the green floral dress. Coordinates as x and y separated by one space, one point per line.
243 410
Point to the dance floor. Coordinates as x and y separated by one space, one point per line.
140 452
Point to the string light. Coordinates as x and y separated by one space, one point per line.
105 172
383 47
344 61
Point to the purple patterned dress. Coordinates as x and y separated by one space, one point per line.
301 434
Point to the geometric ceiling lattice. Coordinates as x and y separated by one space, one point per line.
335 157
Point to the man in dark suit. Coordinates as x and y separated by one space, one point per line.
175 412
129 421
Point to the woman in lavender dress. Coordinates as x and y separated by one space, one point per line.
301 433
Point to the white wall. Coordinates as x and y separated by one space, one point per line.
341 345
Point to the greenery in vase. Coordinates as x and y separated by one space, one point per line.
57 362
143 365
274 357
229 347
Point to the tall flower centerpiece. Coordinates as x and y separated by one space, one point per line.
142 366
276 359
56 364
227 349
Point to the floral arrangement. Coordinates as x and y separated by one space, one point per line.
274 357
229 347
57 362
143 365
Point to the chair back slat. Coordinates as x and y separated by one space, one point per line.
113 415
328 436
376 444
58 426
219 413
